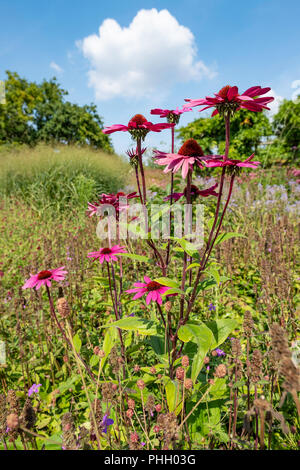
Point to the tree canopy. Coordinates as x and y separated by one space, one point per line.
39 112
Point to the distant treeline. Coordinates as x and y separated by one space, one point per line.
32 113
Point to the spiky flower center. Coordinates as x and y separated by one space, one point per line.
191 148
44 275
153 285
194 190
223 92
106 251
139 119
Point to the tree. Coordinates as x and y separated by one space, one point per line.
286 127
247 129
38 112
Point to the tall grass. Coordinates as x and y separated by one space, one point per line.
57 178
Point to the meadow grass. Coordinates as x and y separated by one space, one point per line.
59 177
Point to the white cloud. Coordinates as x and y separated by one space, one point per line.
274 105
56 67
154 52
296 86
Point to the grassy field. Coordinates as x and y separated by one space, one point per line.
240 400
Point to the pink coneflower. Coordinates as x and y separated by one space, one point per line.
228 99
189 154
138 127
153 290
110 199
44 278
194 193
213 162
172 115
107 254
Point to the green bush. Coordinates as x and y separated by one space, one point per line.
58 178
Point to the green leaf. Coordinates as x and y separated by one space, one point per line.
142 259
77 343
94 360
221 328
165 281
143 326
226 236
173 396
173 290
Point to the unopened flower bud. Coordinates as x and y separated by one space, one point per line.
188 383
140 384
129 413
136 368
221 371
158 408
185 361
168 306
131 403
180 373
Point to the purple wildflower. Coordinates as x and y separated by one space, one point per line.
211 307
34 389
106 422
220 352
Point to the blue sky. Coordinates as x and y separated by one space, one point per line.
142 60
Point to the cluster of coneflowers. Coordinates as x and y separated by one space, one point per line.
189 157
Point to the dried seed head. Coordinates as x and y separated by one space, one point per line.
129 413
96 350
236 347
68 432
256 366
180 373
168 306
185 361
2 415
136 368
248 324
153 370
12 421
28 415
63 307
221 371
188 384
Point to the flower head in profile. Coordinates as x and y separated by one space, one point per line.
231 163
113 200
195 192
228 100
34 389
188 155
134 156
107 254
152 289
172 115
138 127
106 422
44 278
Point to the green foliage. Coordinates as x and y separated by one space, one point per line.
247 129
55 179
286 127
36 113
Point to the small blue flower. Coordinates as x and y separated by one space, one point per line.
106 422
211 307
220 352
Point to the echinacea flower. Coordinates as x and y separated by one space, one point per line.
229 100
44 278
189 154
106 422
107 254
153 289
217 162
138 127
172 115
34 389
195 192
134 156
111 199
